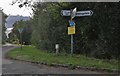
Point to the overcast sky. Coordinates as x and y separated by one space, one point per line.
14 9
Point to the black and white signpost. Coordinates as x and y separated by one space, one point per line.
74 13
20 31
78 13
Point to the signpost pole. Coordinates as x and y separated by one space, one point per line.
21 40
72 44
20 31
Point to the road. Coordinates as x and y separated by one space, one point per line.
21 67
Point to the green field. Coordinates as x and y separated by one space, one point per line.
33 54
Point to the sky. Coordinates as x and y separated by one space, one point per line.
14 9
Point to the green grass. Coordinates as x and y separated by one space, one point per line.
33 54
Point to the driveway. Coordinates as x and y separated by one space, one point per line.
21 67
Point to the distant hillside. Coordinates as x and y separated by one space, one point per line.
12 19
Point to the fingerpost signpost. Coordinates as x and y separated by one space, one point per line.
20 31
74 13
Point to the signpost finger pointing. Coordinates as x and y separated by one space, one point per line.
78 13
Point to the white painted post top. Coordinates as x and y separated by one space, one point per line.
56 46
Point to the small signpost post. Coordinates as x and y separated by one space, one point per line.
57 48
74 13
20 31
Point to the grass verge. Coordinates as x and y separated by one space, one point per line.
30 53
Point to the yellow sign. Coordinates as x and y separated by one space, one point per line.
71 30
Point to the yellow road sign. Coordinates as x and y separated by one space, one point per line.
71 30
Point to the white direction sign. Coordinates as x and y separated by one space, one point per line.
78 13
65 12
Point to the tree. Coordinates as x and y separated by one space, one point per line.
26 34
95 36
4 16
